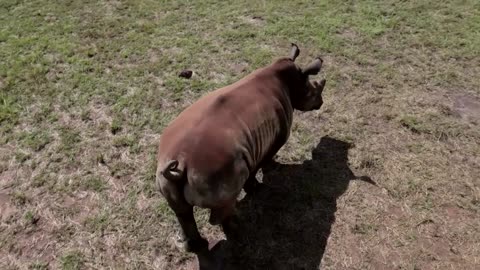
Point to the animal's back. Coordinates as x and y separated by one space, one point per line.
243 116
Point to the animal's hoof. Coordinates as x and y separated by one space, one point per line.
231 227
251 186
196 245
257 188
272 165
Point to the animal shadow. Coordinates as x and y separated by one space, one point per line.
286 223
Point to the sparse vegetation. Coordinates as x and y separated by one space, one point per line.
94 183
36 140
86 88
72 261
38 266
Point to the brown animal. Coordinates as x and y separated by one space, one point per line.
215 147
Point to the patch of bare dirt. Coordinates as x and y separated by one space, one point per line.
6 208
239 67
467 106
254 20
453 212
348 34
7 177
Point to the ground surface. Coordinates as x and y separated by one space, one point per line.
86 87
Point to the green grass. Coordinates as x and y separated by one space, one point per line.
86 88
95 183
413 124
35 140
72 261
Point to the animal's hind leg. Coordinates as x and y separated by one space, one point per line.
193 241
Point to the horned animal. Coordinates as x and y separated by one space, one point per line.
215 147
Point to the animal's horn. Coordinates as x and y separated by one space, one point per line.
314 67
294 52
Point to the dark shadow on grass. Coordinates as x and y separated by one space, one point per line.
286 223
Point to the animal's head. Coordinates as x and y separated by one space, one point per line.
305 94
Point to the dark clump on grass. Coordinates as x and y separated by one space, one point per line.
286 223
116 126
21 157
31 218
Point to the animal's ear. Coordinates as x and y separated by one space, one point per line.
314 67
295 51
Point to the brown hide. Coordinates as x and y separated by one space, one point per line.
247 120
214 147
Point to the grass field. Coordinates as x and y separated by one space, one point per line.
86 88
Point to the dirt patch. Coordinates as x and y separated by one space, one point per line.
6 176
240 67
347 34
456 213
467 106
6 208
254 20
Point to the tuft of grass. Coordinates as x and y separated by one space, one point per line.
413 124
94 183
9 110
85 115
130 141
73 260
163 210
21 157
124 141
116 126
35 140
31 218
19 198
43 179
98 223
69 138
38 266
45 114
120 169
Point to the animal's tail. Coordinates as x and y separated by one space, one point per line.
172 170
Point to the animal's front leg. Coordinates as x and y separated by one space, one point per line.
191 238
225 216
220 214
